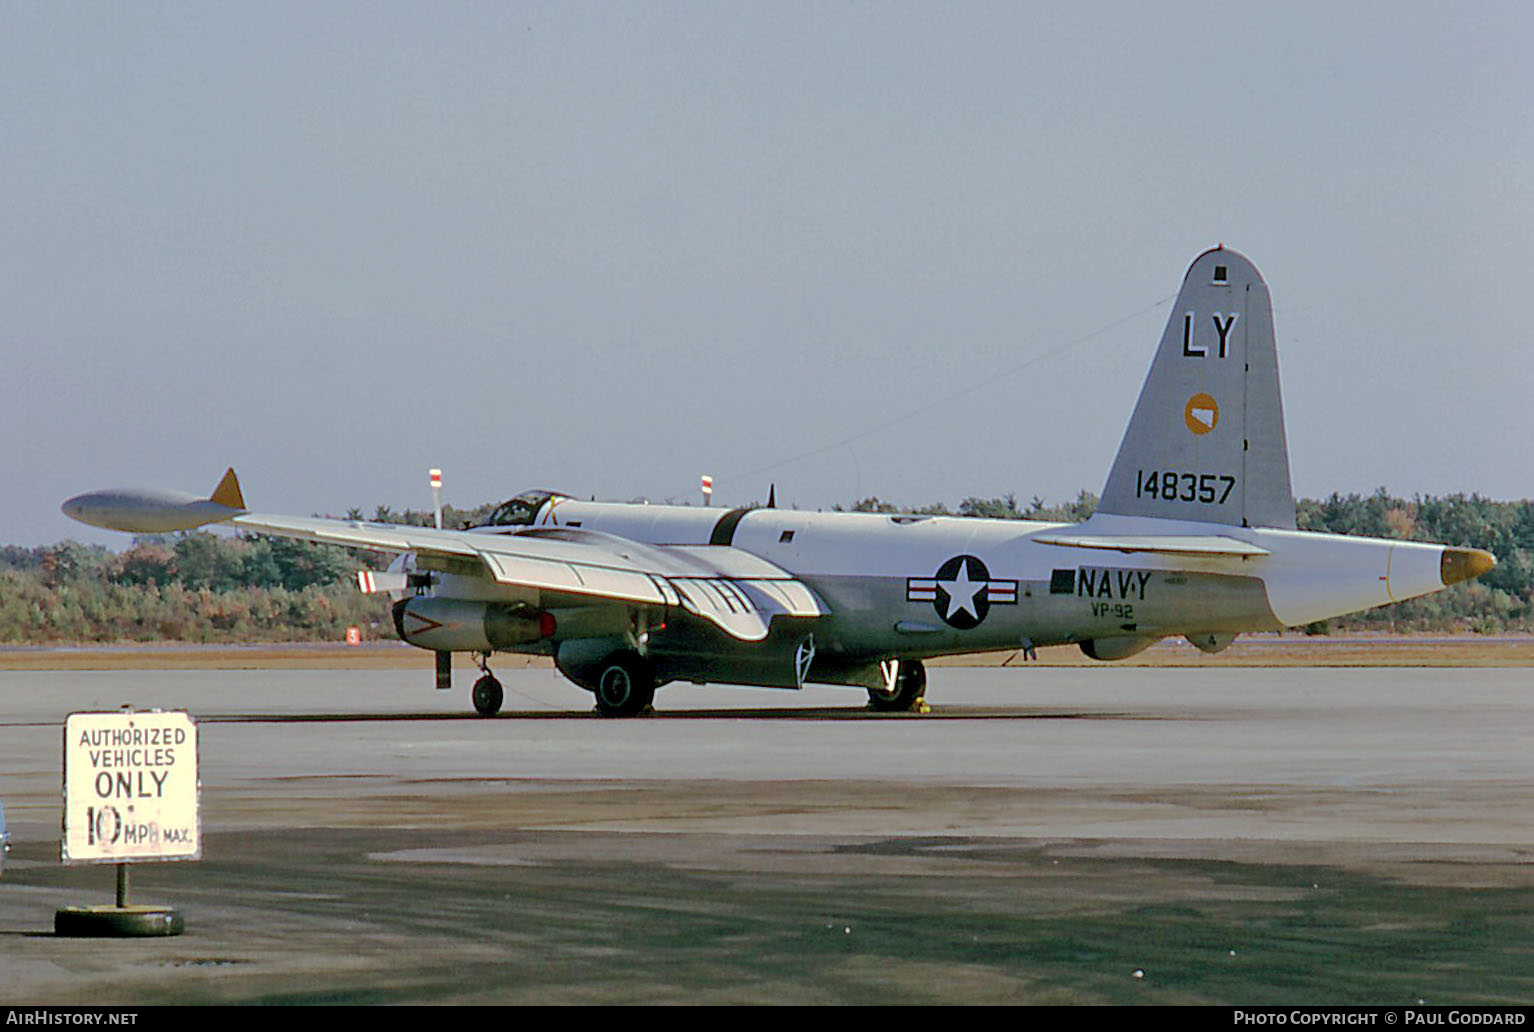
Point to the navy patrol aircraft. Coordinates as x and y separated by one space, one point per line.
1195 535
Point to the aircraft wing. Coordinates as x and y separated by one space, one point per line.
381 537
737 592
734 590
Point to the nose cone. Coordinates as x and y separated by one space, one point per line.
1462 564
99 509
79 508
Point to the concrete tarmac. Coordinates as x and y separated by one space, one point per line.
1056 835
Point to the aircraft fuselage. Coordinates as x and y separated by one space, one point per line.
914 587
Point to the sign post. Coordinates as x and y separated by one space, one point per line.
131 793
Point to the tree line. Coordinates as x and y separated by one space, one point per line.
209 588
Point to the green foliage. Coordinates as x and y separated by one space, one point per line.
205 561
1003 508
195 587
1071 512
991 508
453 518
32 612
14 557
870 504
71 562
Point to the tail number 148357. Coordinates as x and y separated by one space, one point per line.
1173 486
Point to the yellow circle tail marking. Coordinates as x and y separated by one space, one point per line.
1201 413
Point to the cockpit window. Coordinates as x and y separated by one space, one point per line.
521 510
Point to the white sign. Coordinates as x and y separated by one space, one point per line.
131 789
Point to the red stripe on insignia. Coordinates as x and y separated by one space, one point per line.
1001 592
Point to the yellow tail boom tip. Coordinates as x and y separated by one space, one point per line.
1462 564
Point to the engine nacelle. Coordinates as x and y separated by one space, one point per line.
460 625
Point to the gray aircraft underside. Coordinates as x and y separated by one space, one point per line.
1195 535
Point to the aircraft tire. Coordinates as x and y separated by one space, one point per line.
910 689
625 686
488 696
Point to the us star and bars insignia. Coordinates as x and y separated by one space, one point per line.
963 591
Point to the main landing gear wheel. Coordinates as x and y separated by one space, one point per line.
905 687
488 696
625 685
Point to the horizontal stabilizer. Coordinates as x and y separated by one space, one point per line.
1164 544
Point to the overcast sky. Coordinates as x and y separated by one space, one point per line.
607 248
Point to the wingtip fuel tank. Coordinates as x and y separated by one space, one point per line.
145 511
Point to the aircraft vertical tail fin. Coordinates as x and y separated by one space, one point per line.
1206 441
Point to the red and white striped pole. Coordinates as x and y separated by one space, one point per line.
708 489
436 494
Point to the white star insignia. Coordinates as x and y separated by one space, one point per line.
961 592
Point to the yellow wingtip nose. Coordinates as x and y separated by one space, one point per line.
1462 564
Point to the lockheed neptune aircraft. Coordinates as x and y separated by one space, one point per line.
1195 536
